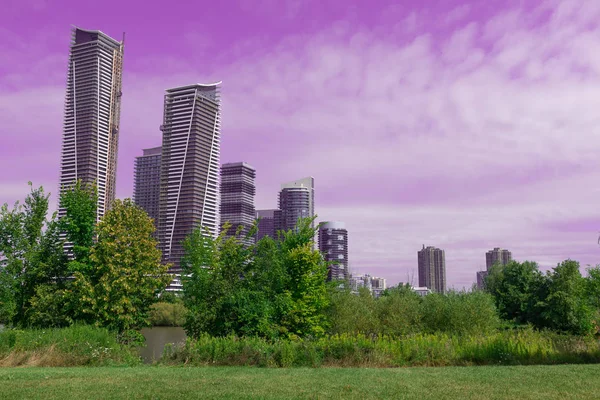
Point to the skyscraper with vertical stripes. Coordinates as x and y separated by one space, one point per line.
237 199
189 187
92 114
146 182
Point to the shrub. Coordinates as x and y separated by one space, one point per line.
459 313
167 314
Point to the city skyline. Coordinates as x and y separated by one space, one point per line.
462 124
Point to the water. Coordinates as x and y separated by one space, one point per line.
156 338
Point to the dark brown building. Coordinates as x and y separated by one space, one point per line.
497 256
432 269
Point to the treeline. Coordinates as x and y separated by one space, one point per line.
274 290
109 278
561 299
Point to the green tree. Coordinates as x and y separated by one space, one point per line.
80 204
271 289
356 313
565 306
30 255
399 310
517 289
125 274
55 302
592 287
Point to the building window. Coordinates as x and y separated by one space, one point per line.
340 237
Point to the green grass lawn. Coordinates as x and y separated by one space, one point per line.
530 382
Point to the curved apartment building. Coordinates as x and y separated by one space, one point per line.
189 187
296 200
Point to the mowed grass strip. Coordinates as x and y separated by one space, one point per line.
522 382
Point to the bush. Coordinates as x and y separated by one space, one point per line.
459 313
402 312
167 314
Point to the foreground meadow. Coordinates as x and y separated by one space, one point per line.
522 382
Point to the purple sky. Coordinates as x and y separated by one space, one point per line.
465 125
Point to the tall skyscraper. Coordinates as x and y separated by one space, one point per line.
497 255
432 269
333 244
189 187
269 222
296 200
92 114
237 198
146 182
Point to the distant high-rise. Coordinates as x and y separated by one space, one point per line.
92 114
237 198
189 187
333 244
432 269
269 221
481 275
146 182
373 284
296 200
497 256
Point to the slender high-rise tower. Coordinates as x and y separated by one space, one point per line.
237 198
432 269
333 244
189 187
296 200
92 113
146 182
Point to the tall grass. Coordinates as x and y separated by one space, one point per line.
521 347
72 346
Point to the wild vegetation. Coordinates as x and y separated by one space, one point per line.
72 346
519 347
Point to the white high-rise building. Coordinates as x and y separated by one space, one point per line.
92 114
189 187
